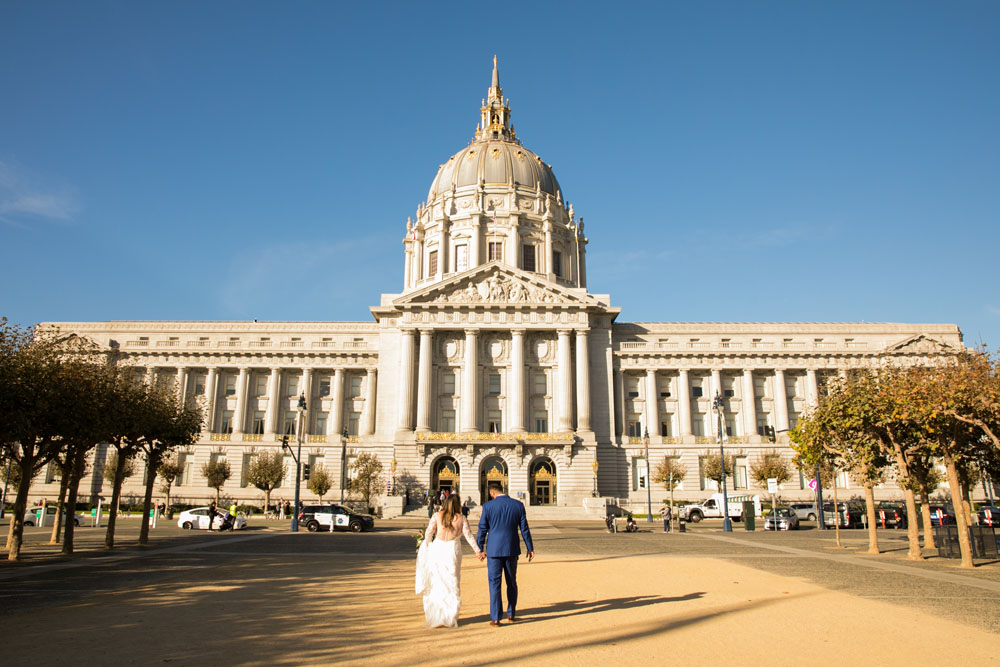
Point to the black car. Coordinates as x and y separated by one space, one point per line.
891 514
942 515
851 515
322 517
989 515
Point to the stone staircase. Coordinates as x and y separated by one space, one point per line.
535 513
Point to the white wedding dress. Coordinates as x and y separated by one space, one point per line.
439 570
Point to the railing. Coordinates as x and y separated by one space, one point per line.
167 343
729 345
230 343
220 437
495 437
822 345
356 345
137 343
698 345
322 343
761 345
252 437
199 343
793 345
856 345
260 343
291 343
316 438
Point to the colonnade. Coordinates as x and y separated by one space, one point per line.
418 359
272 414
748 403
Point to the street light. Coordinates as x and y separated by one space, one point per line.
343 461
595 466
727 524
298 461
649 492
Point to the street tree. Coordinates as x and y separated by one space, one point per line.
168 471
669 472
320 481
367 481
770 465
217 472
266 472
712 466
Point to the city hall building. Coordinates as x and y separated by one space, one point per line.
495 361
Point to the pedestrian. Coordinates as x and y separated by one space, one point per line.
666 511
232 517
286 509
466 506
211 515
430 508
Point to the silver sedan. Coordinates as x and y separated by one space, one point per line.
786 520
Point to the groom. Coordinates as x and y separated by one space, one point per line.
501 519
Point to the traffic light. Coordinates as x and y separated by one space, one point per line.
305 471
771 435
284 442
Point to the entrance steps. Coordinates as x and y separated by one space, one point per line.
534 512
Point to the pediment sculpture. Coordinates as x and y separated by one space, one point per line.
496 288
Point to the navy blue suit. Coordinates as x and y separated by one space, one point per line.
501 519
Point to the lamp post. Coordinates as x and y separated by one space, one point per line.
727 523
298 461
649 492
595 466
343 462
392 467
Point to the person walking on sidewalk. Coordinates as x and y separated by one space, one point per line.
666 511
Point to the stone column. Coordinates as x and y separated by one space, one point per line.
211 394
812 389
515 401
474 242
780 401
307 392
273 387
182 381
417 270
239 419
443 258
749 404
582 382
652 404
565 395
619 387
335 424
716 383
683 403
405 415
424 381
470 383
408 245
151 376
368 412
512 254
546 262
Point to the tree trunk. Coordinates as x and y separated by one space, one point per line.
15 538
912 533
218 494
61 503
872 526
966 504
925 515
116 492
76 474
955 487
267 500
168 484
151 463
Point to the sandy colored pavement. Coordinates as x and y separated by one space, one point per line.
314 609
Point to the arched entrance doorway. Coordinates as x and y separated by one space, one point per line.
444 476
492 469
542 480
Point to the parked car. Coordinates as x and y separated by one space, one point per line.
942 515
850 515
805 511
891 514
197 519
712 508
31 516
334 517
786 519
989 515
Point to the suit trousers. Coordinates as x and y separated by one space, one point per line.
504 567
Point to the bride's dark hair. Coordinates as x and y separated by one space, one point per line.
450 508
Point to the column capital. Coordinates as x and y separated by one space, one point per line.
471 332
682 371
581 333
338 372
517 332
564 332
371 370
426 332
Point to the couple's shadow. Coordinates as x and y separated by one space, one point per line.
578 607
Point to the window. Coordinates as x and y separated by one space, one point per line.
290 419
640 473
698 424
494 388
448 383
541 384
632 386
432 263
665 428
248 461
320 423
260 386
293 385
258 422
528 257
230 385
324 387
557 263
289 478
495 251
448 420
634 427
353 420
740 474
227 421
706 483
728 393
186 463
696 391
199 385
461 257
493 421
541 422
355 386
314 460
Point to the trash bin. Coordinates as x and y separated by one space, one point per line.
681 526
749 519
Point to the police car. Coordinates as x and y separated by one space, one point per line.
334 517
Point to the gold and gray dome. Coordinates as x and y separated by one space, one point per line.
494 157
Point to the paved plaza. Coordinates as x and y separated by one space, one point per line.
265 596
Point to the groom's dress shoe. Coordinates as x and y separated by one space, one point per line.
511 619
495 623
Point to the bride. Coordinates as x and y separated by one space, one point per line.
439 564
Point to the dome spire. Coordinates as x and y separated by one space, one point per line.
494 120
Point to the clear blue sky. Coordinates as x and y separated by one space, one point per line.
761 161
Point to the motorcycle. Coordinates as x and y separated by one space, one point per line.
630 525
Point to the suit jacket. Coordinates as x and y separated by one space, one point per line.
501 519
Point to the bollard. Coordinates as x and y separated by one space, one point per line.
97 515
152 517
41 517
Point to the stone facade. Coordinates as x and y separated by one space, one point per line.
495 362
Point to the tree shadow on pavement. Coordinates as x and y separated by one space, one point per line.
577 607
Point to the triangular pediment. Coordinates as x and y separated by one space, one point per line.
497 284
921 344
